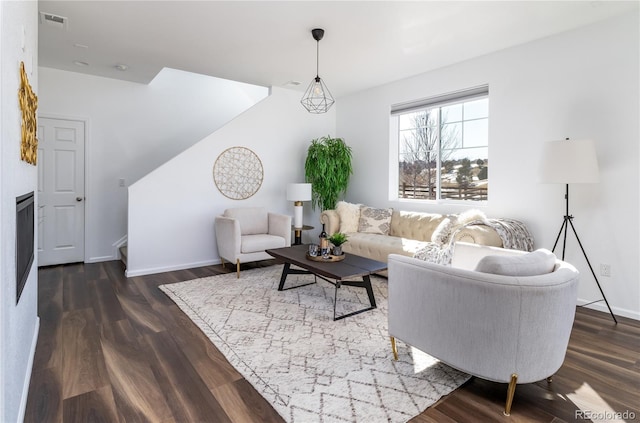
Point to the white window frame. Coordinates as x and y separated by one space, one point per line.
394 141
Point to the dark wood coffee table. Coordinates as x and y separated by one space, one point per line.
336 273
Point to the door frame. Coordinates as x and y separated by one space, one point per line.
87 193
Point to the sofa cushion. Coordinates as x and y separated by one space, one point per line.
414 225
378 247
349 216
376 221
253 220
539 262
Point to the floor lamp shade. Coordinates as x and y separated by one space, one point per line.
298 193
569 162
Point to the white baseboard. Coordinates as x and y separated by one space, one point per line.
27 376
100 259
114 256
153 270
617 311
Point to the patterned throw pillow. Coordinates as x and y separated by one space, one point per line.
375 221
349 216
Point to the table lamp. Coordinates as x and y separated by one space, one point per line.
298 193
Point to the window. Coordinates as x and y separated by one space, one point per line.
442 147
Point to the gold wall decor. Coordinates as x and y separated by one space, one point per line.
237 173
28 104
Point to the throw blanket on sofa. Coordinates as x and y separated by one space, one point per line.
514 235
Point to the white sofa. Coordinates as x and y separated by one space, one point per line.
411 233
504 319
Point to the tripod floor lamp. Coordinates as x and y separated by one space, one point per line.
571 162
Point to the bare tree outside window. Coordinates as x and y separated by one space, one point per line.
420 147
443 152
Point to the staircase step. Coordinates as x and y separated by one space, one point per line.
123 254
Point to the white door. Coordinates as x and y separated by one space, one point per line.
60 191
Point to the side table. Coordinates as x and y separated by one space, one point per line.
297 240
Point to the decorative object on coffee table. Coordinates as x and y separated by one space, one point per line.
238 173
324 243
337 239
331 258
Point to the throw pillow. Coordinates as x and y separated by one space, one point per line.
349 214
538 262
375 221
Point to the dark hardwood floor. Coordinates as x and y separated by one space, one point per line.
113 349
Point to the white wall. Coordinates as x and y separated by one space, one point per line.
18 323
172 210
580 84
134 128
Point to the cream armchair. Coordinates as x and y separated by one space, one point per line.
243 234
510 326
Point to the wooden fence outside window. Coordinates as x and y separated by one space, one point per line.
422 192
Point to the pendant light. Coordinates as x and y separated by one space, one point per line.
317 98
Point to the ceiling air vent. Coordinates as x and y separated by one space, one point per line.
55 21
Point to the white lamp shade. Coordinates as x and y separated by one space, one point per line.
299 192
569 162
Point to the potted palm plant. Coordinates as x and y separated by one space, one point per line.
327 168
337 239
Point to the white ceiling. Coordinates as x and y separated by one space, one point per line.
269 43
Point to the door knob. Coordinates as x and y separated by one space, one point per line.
78 198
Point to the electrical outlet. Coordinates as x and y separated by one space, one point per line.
121 182
605 270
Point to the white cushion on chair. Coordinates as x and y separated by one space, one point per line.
261 242
253 220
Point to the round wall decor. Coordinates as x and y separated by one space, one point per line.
238 173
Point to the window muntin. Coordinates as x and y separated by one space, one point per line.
443 150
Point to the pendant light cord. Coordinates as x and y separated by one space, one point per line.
317 58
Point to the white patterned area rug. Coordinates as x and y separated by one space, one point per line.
309 367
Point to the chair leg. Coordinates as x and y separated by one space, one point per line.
238 267
510 391
222 262
394 348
